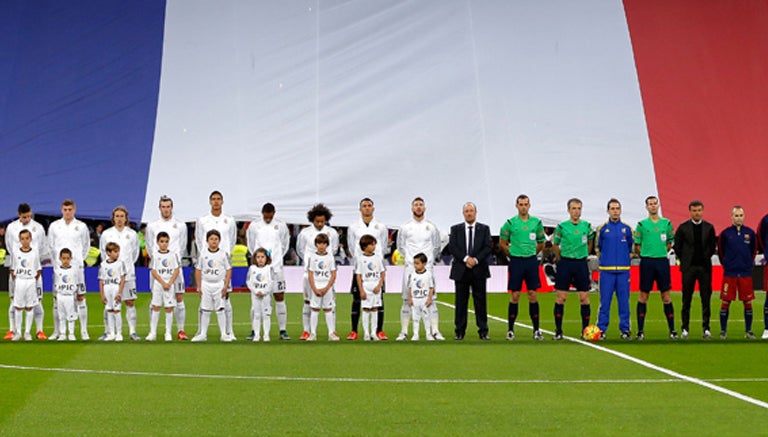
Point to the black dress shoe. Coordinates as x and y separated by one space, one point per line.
458 337
485 337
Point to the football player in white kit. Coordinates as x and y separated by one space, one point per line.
12 244
125 237
418 235
164 269
26 269
321 275
319 216
177 245
71 233
366 225
272 235
227 227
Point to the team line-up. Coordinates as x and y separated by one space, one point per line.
521 237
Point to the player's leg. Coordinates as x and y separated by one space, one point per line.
11 311
622 299
405 309
39 311
82 313
586 309
374 323
282 311
168 336
329 306
59 324
204 310
646 285
664 283
221 317
306 310
416 315
129 298
355 312
727 295
606 283
689 282
533 283
379 317
747 295
434 321
256 315
366 316
180 311
460 308
229 317
705 294
562 285
266 317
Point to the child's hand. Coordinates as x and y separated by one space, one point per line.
429 301
317 292
224 293
166 286
260 294
363 296
103 299
200 292
410 301
118 298
377 290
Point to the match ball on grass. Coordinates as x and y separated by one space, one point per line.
592 333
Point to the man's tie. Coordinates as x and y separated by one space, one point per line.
470 243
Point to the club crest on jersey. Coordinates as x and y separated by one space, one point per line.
110 273
321 265
371 266
165 262
259 276
420 283
24 263
65 279
211 263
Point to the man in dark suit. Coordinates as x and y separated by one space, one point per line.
470 246
694 246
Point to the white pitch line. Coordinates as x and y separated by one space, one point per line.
646 364
355 380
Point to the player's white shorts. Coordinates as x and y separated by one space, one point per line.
372 300
110 294
325 302
420 310
263 303
129 290
211 299
25 293
65 305
163 298
279 280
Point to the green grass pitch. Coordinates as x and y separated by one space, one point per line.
522 387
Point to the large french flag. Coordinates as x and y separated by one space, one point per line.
113 102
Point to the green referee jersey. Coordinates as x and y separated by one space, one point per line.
653 237
573 239
523 236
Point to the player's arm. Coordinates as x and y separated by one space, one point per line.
227 280
136 250
85 239
431 295
183 240
401 239
382 280
410 293
119 296
333 277
312 286
197 281
175 276
250 238
149 240
436 243
158 278
199 236
359 280
101 287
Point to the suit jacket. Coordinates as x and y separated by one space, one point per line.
684 243
481 249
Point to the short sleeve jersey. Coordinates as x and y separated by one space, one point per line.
213 267
369 268
110 274
420 283
653 237
66 281
25 265
523 236
321 267
574 239
260 279
165 263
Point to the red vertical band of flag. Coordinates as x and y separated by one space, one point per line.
703 72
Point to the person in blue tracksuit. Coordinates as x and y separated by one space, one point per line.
614 244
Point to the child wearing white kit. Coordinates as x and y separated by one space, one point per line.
421 292
66 283
261 280
111 283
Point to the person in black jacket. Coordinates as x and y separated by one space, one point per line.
694 246
470 246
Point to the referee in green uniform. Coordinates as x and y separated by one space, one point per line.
522 237
573 241
653 239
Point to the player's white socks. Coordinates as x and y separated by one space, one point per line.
266 324
366 323
154 318
228 315
71 325
374 322
405 317
82 312
330 321
12 317
39 315
255 321
221 317
130 316
17 319
181 315
433 319
205 320
118 323
313 322
306 312
168 322
106 319
282 315
56 321
28 321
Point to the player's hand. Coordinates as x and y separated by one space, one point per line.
200 292
118 298
429 301
104 300
363 296
377 290
166 286
410 302
260 294
317 292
